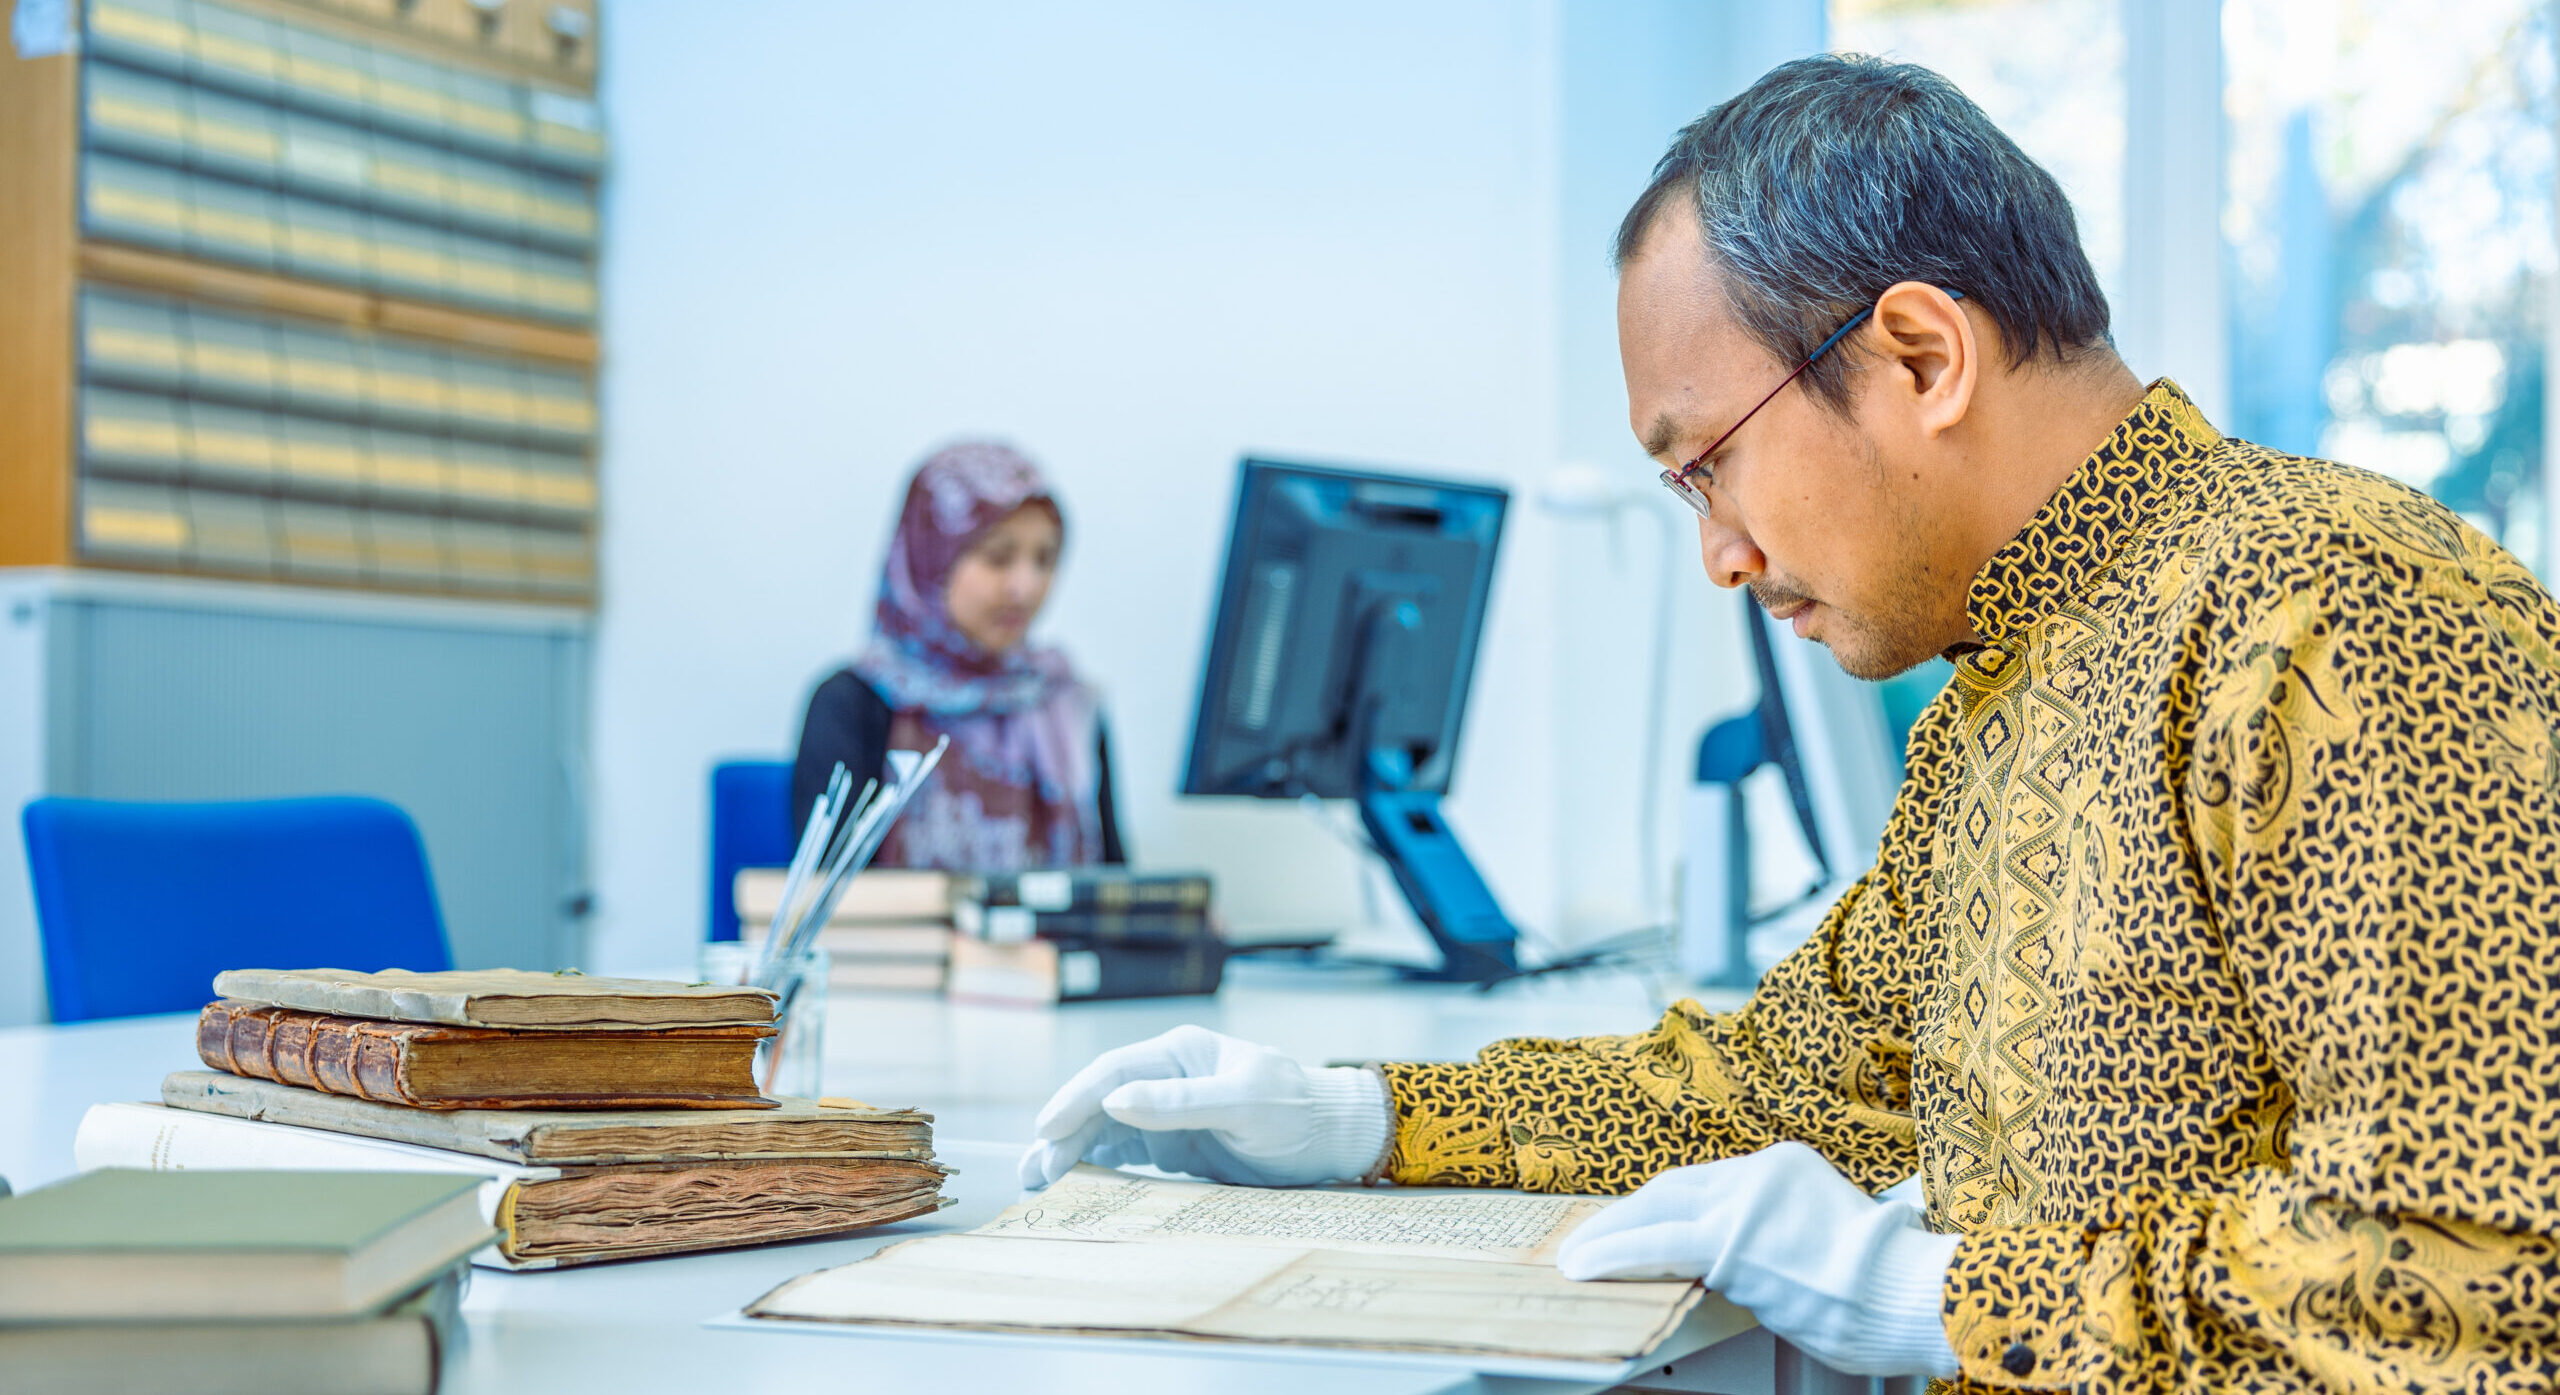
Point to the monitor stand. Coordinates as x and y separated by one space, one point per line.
1433 871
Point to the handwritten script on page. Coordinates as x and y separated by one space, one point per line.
1094 1203
1239 1293
1112 1252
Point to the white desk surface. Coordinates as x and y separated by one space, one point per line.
983 1071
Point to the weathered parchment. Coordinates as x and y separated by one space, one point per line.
1093 1203
1256 1293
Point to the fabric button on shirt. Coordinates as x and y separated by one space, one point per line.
2018 1359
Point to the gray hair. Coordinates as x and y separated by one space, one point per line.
1832 178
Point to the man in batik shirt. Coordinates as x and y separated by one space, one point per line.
2206 975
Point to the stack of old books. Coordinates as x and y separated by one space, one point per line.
347 1283
1089 933
610 1118
889 933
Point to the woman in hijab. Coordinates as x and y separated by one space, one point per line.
1027 781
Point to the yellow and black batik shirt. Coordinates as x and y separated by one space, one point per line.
2207 972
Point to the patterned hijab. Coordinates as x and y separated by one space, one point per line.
1020 786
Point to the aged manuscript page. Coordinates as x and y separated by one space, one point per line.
1108 1252
1094 1203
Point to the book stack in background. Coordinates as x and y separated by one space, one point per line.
235 1281
890 933
609 1118
1084 934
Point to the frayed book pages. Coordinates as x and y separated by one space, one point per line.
549 1216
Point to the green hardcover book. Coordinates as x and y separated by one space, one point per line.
399 1351
127 1244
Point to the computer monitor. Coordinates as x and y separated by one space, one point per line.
1836 743
1338 666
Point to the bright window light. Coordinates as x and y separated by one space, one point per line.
2388 217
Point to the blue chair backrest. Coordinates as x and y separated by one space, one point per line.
750 827
140 905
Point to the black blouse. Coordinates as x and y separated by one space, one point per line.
848 721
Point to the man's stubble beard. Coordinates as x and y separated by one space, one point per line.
1875 653
1900 633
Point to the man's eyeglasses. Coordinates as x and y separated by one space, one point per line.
1690 480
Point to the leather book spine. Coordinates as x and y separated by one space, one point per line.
213 1038
251 1041
352 1056
331 1055
288 1047
381 1051
334 1055
368 1060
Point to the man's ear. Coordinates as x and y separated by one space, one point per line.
1932 358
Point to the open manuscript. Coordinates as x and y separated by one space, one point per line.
1114 1253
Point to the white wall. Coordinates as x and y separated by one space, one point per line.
1139 241
1631 74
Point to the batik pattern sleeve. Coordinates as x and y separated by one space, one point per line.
1821 1054
2369 804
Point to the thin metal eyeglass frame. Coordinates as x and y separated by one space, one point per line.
1677 481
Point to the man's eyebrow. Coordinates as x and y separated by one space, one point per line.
1658 437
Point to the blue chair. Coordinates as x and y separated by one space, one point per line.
750 827
140 905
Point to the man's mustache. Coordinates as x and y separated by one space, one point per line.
1774 598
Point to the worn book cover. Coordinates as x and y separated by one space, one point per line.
549 1216
437 1067
792 1128
114 1243
1066 971
897 941
516 998
1085 889
1109 1252
876 894
1014 924
399 1351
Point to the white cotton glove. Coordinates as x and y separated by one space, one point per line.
1194 1101
1852 1281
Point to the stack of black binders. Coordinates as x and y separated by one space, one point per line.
1090 933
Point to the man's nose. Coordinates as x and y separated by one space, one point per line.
1730 557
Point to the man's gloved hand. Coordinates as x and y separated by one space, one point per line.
1194 1101
1852 1281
